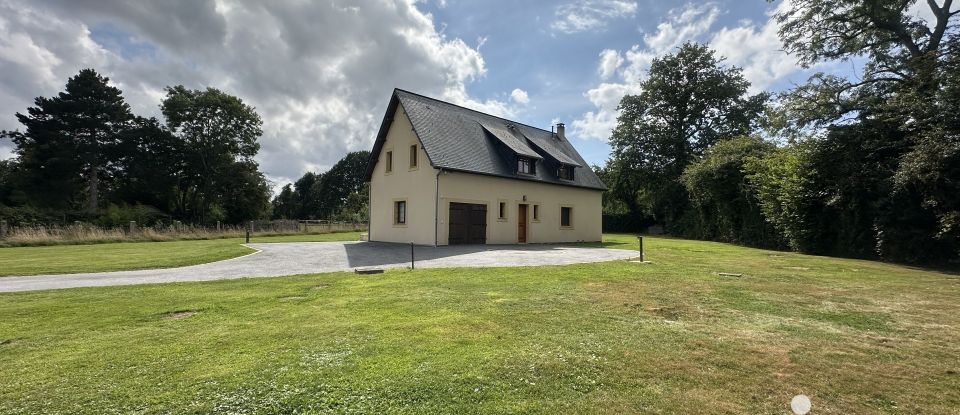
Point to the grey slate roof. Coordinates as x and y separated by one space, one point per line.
513 140
461 139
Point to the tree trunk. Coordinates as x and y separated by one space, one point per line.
93 203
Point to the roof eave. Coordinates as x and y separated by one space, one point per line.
525 179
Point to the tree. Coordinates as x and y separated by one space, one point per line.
151 165
7 186
356 207
781 180
306 203
931 168
245 195
285 204
69 143
216 131
727 205
899 114
608 175
688 102
334 186
325 195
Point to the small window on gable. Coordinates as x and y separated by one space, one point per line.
565 172
526 165
413 155
503 210
566 216
400 212
389 161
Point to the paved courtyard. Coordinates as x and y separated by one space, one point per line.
276 259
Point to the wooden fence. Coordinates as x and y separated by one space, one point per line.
88 233
305 226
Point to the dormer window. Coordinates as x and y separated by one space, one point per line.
565 172
526 165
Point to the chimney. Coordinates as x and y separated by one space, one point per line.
560 129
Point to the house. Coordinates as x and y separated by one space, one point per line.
443 174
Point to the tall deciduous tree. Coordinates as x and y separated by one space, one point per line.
345 177
306 205
217 132
285 204
899 115
328 194
70 141
688 102
151 164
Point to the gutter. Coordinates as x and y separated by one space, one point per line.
436 211
369 210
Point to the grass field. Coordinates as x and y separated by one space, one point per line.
59 259
858 337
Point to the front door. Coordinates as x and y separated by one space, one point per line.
522 224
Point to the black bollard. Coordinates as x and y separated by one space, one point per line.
248 235
640 240
411 255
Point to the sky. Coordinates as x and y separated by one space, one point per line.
320 73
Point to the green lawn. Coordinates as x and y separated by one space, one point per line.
60 259
668 337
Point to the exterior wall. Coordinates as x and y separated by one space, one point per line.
416 186
587 207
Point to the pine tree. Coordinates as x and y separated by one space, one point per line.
67 150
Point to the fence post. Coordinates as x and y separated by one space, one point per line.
133 227
3 228
249 227
218 226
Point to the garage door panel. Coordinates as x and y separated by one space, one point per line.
468 223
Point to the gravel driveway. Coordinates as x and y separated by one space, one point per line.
275 259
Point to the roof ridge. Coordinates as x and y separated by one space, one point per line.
472 110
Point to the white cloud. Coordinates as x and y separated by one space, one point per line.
319 74
681 25
756 49
687 23
35 52
610 61
922 11
519 96
588 15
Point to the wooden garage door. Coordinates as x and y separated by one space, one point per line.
468 224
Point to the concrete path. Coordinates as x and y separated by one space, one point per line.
276 259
